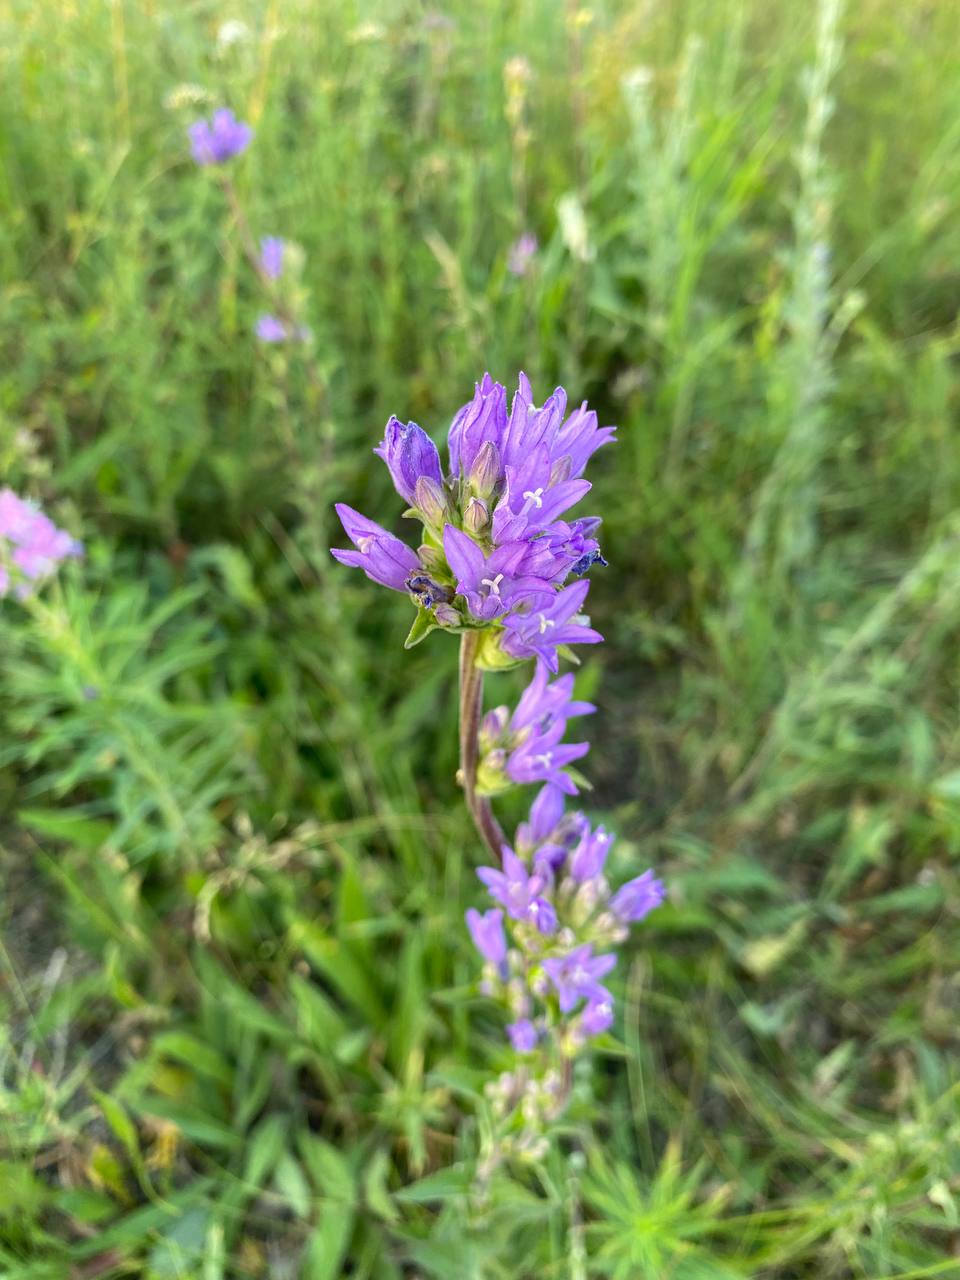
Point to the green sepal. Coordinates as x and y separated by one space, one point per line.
423 624
490 657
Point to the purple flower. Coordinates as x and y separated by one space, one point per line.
542 705
542 757
486 930
519 891
410 454
637 898
271 257
577 975
562 549
487 582
546 622
38 545
271 329
382 557
219 139
588 858
597 1015
532 499
523 1035
522 252
545 815
483 418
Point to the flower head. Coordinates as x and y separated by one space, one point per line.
219 139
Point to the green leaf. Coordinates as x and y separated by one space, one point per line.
423 624
445 1184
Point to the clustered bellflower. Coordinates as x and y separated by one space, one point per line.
31 545
497 552
219 139
502 563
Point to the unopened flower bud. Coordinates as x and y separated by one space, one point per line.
491 773
447 615
429 501
432 560
487 470
585 902
561 470
476 518
492 727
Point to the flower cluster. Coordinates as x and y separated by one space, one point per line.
31 545
494 565
496 551
547 946
219 139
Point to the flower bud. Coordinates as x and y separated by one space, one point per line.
429 500
447 615
491 774
561 470
433 560
486 472
476 518
493 726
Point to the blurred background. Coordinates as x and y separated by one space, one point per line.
241 1036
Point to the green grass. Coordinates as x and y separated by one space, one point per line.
240 1034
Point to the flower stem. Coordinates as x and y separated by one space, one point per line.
471 712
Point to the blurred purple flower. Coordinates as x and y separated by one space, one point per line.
486 930
597 1015
522 253
271 256
217 140
577 974
271 329
523 1035
637 898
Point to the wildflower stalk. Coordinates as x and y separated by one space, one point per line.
471 713
494 566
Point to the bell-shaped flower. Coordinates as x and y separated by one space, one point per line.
545 622
381 556
409 454
488 583
637 898
481 419
577 975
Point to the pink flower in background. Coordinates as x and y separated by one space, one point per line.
522 253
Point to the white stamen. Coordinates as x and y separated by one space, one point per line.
545 622
546 759
364 544
493 584
535 495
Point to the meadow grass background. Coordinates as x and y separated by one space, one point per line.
240 1032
